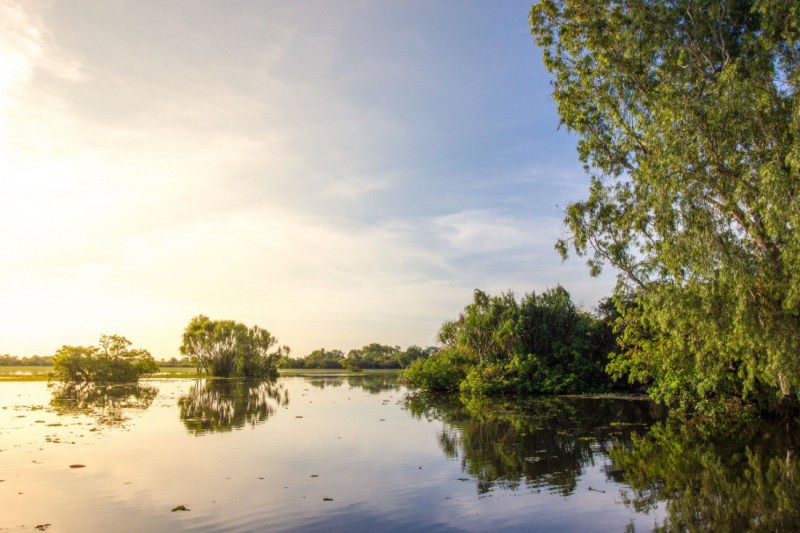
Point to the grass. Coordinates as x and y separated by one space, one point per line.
40 373
24 373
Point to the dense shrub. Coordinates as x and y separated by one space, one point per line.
113 361
224 348
440 372
498 345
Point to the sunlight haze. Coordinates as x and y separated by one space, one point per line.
338 173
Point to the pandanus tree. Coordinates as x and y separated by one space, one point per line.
225 348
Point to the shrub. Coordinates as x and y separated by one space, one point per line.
439 372
113 361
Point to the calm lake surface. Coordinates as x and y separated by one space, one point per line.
344 453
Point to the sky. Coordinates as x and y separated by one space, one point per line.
338 173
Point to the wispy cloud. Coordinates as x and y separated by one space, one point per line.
301 167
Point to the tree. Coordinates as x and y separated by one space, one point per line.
374 355
112 361
414 352
498 345
687 116
224 348
323 358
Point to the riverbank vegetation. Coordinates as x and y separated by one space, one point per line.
541 344
371 356
686 115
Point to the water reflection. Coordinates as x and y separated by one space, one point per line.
739 477
224 405
371 382
107 404
375 383
543 443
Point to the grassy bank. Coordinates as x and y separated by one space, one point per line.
40 373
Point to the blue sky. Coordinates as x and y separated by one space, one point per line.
337 172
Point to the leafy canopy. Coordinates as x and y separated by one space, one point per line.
498 345
687 116
224 348
113 361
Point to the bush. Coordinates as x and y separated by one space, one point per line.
541 344
439 372
113 361
224 348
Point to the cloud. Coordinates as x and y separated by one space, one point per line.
484 231
297 167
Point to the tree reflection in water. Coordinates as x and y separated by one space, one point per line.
732 477
375 383
542 443
371 382
214 405
107 404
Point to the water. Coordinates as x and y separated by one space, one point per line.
321 453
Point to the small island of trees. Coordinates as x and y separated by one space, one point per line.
225 348
114 361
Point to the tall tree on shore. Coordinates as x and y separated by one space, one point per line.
688 119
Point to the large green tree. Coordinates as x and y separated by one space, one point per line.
687 119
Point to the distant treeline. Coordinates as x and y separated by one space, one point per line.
174 362
370 356
34 360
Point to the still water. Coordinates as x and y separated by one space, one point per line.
336 453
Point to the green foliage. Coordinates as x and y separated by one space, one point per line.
112 361
224 348
541 344
687 117
372 356
441 372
